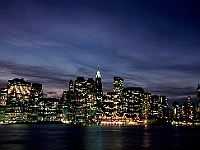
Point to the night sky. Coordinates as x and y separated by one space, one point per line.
153 44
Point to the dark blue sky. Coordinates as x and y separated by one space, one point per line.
154 44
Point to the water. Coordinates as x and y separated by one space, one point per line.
59 136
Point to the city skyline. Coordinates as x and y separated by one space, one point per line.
116 88
150 44
84 103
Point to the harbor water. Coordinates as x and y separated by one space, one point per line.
60 137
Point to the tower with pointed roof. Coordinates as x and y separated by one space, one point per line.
98 84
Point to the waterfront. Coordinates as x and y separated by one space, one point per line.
59 136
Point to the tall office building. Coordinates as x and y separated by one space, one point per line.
80 89
18 90
36 92
183 111
3 101
90 86
98 85
190 110
154 106
133 102
198 98
48 109
146 105
3 96
91 100
110 104
35 96
175 111
198 104
80 95
163 108
198 92
99 93
67 104
118 84
71 86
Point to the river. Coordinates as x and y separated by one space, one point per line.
60 137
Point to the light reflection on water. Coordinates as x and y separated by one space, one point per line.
146 139
60 137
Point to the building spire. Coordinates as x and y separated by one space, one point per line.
98 75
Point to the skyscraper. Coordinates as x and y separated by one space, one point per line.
80 95
3 100
198 92
198 99
163 109
154 106
3 96
19 92
198 104
133 101
190 110
36 92
71 86
18 89
90 86
118 84
175 112
36 95
98 85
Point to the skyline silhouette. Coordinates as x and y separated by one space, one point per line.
98 74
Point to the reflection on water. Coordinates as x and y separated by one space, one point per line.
60 137
98 137
146 139
93 138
